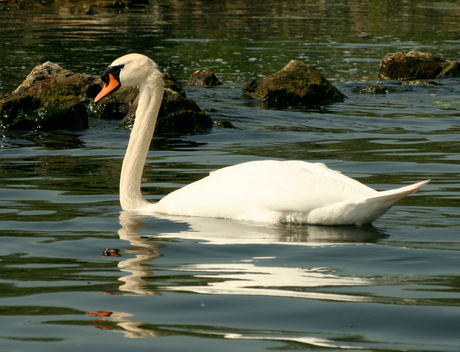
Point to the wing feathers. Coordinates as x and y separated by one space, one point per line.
292 191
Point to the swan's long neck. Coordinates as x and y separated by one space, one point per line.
150 96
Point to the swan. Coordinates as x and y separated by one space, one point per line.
265 191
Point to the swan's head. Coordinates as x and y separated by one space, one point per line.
126 71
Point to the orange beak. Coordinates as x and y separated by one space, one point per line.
108 88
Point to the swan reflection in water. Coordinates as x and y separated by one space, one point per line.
247 277
240 278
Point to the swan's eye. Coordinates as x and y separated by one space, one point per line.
114 70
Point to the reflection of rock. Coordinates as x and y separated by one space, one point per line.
416 65
49 98
203 78
296 83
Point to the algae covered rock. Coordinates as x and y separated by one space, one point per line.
172 83
419 82
416 65
376 90
296 83
42 112
49 98
177 114
203 78
52 98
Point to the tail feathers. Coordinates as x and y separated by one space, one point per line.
400 193
360 211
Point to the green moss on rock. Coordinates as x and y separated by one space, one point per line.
296 83
416 65
49 98
43 112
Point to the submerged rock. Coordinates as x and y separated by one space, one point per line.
416 65
420 82
224 124
203 78
49 98
376 90
296 83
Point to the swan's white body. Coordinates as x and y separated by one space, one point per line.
269 191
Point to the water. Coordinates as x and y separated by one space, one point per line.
77 273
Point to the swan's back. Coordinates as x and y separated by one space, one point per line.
277 191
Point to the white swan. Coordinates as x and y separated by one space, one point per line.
268 191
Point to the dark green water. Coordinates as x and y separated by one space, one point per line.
213 285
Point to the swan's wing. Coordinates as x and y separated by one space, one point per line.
322 169
255 190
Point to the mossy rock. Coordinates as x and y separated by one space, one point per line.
296 83
172 83
203 78
376 90
177 115
416 65
49 98
43 112
420 82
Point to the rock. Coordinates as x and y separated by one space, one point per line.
419 82
53 98
416 65
296 83
52 76
376 90
49 98
224 124
38 112
203 78
172 83
177 114
117 105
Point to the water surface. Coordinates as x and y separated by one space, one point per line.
78 273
